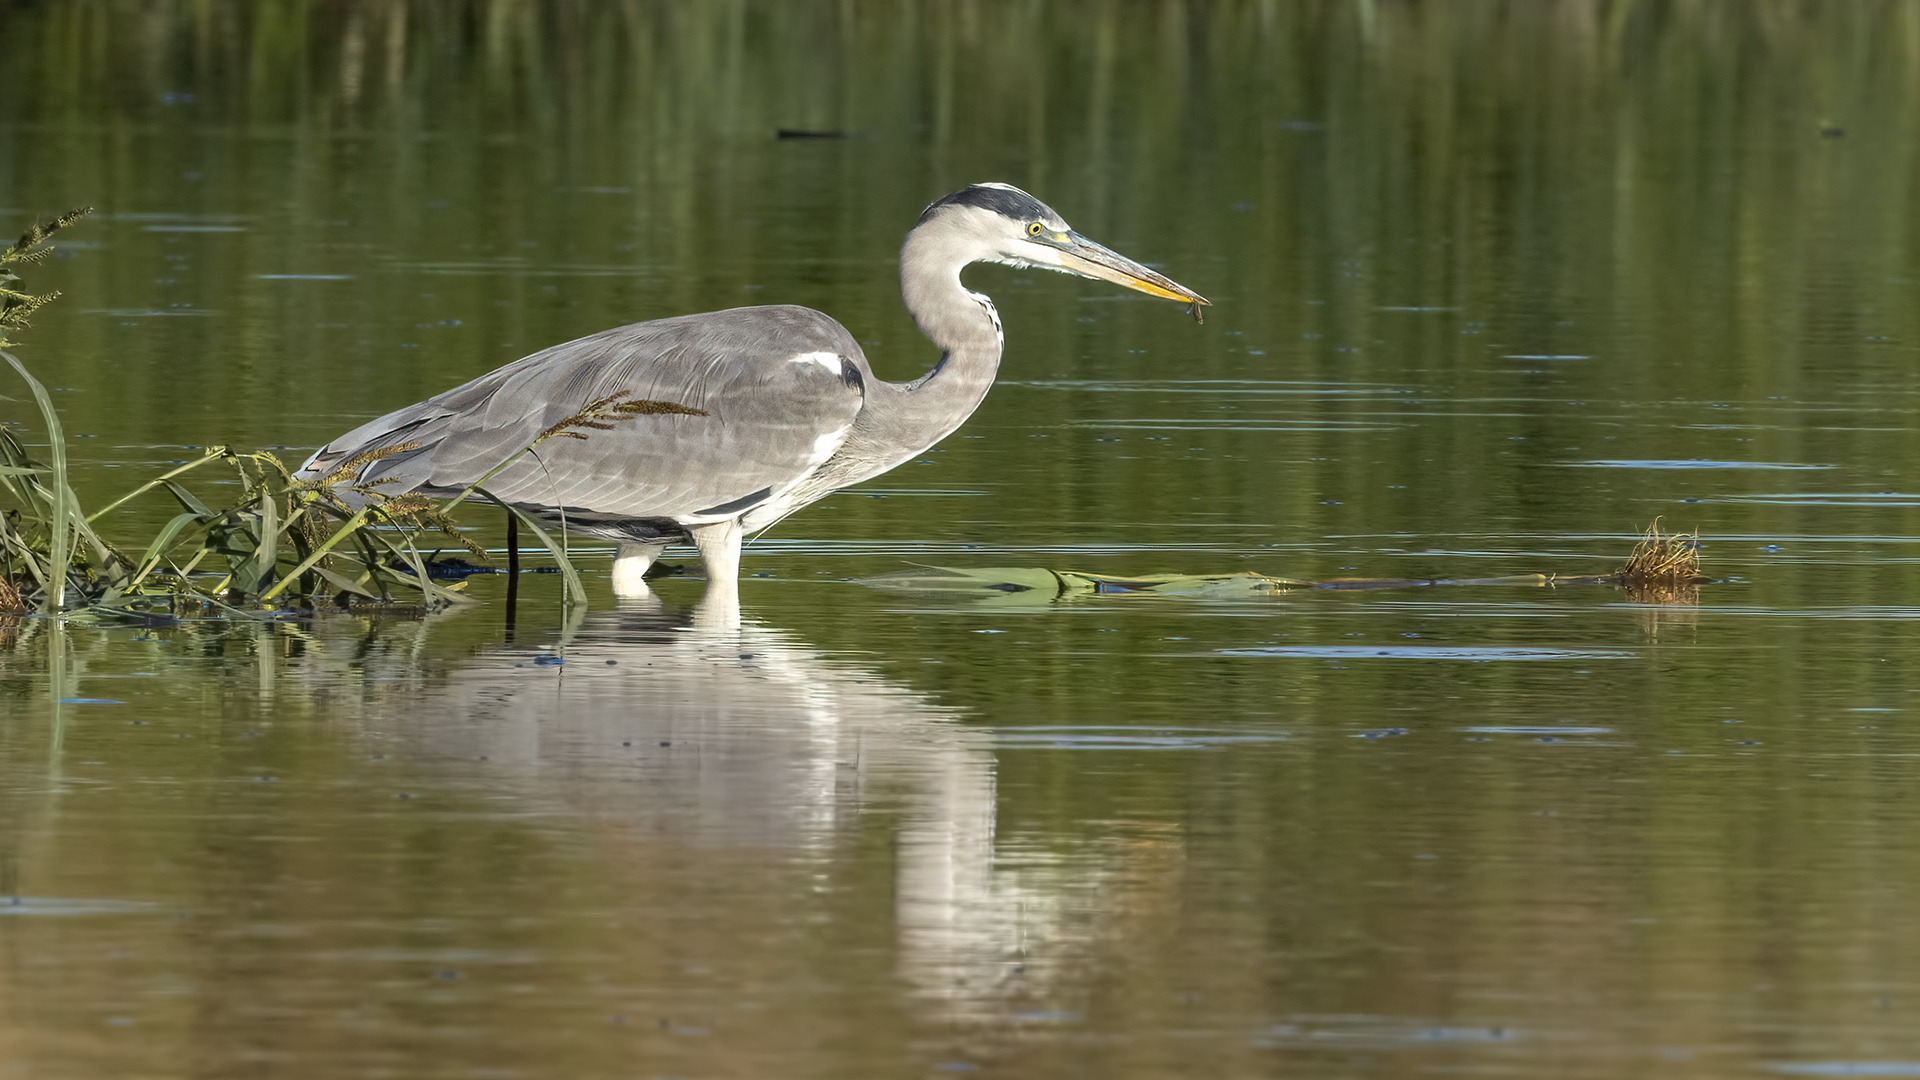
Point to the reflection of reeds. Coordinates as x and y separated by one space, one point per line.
12 606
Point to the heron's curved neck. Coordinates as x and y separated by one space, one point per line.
963 324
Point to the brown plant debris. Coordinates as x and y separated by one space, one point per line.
1663 559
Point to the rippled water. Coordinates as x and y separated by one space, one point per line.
1496 286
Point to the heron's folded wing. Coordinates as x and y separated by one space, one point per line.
745 402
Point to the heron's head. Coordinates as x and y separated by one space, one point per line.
1000 223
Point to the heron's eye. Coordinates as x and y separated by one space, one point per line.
1033 229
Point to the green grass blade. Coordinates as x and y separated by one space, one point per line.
347 528
164 479
423 580
574 588
345 584
157 550
266 553
187 499
59 538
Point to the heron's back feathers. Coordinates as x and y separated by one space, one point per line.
750 403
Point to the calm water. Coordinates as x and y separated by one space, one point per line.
1497 285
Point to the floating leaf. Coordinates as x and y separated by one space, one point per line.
1243 583
1006 579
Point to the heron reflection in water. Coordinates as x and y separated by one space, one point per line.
744 416
715 763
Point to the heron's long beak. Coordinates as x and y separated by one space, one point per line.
1080 255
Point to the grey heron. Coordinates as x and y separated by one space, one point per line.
766 409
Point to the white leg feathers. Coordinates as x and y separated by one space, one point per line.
719 546
630 565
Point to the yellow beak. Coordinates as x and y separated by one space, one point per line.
1082 256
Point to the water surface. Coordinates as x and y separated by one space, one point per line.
1496 286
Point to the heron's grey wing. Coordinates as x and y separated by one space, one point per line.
771 394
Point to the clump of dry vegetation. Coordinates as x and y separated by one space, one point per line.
1664 568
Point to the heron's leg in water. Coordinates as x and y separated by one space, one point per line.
630 564
719 546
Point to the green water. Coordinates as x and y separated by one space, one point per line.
1496 285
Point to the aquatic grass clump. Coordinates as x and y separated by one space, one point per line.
287 540
280 532
1663 568
304 541
1664 558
